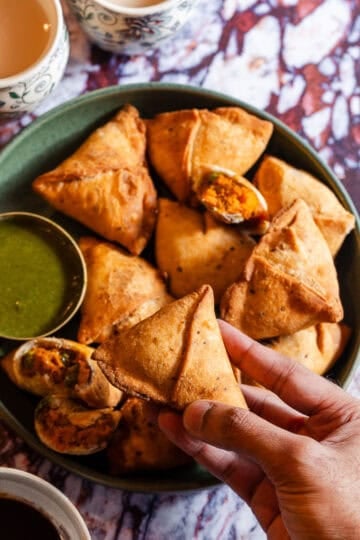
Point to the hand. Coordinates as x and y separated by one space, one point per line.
294 456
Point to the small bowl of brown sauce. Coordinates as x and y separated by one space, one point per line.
30 507
43 276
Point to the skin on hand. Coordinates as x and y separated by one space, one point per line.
294 456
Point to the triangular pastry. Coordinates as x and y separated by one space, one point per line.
317 347
122 289
105 184
174 357
192 249
185 144
281 183
289 281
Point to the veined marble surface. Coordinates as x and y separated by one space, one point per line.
299 60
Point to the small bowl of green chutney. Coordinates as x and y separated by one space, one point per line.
43 276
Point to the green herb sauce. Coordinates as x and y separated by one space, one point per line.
33 280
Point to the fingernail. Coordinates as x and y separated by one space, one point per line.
194 416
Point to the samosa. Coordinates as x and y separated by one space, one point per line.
289 282
174 357
281 183
122 289
317 347
105 184
185 144
192 249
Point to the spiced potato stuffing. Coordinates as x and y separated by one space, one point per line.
258 249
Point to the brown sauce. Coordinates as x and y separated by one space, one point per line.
19 521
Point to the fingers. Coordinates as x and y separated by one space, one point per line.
242 475
293 383
240 430
271 408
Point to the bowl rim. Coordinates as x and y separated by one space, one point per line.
76 250
19 477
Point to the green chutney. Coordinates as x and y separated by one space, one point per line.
33 279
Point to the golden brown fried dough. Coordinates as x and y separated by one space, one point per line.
193 249
317 347
105 184
174 357
281 184
183 144
66 426
289 282
122 289
53 365
139 444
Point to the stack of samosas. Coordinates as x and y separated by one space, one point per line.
243 234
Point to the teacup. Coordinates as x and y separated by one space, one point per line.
35 47
130 26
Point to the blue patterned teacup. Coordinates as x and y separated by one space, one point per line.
22 91
130 26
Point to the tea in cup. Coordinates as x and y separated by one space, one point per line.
130 26
34 50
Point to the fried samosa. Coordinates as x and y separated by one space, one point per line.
53 365
122 289
317 347
106 184
192 248
174 357
289 281
183 144
281 184
66 426
139 444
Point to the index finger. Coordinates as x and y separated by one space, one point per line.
293 383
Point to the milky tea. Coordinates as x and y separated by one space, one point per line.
27 29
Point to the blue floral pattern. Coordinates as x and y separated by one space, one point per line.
129 34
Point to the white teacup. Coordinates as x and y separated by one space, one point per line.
130 26
22 86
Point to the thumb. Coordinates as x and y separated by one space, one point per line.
241 431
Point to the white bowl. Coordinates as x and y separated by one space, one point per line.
32 490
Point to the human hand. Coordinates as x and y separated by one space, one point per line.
294 456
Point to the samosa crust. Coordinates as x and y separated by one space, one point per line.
174 357
289 282
317 347
106 184
281 183
122 289
192 249
184 144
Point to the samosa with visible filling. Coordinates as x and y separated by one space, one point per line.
139 444
281 183
106 184
193 249
51 365
317 347
68 427
122 289
174 357
289 282
185 144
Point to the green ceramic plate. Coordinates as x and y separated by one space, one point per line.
53 137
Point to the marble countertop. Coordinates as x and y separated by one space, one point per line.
299 60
